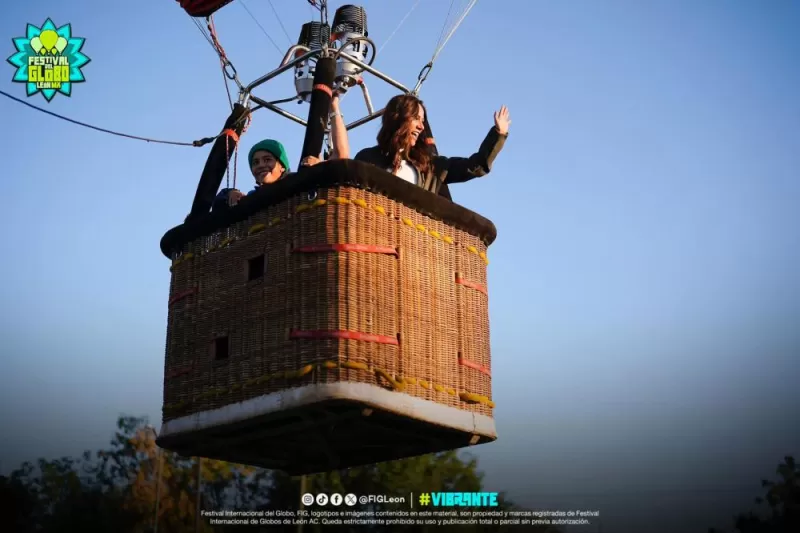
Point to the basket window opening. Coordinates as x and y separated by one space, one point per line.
255 267
220 348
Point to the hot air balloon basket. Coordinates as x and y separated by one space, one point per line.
334 315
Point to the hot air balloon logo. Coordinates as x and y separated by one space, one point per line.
48 42
49 59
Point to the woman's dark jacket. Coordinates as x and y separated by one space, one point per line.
447 169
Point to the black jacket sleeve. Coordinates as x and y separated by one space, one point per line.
461 169
216 164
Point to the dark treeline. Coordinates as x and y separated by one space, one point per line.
116 489
778 511
132 486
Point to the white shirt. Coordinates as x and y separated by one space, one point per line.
407 172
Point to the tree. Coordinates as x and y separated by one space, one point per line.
442 472
115 489
133 485
783 504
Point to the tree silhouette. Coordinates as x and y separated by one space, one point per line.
442 472
782 513
132 486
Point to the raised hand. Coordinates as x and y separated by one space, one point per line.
502 120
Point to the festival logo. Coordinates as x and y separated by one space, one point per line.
48 60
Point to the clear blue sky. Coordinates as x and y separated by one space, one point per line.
645 297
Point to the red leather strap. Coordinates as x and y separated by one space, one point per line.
475 366
471 284
343 334
365 248
324 88
181 295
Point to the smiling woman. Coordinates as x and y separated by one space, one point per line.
406 148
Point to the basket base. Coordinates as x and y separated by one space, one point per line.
324 427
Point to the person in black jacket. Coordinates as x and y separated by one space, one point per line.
269 162
405 149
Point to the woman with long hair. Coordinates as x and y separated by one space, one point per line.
405 148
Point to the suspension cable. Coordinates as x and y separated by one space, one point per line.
277 16
231 74
225 81
197 143
398 26
423 74
444 24
455 27
199 26
278 48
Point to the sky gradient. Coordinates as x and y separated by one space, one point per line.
644 287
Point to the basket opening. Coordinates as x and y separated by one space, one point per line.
220 348
255 268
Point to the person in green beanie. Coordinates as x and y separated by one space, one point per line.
269 161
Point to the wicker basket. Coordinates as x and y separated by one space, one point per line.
337 319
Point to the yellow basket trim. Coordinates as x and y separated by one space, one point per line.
435 234
448 240
340 200
299 373
472 249
275 221
484 257
302 207
355 366
319 201
408 222
422 228
380 210
360 202
256 228
397 383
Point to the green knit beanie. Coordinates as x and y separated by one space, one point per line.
273 147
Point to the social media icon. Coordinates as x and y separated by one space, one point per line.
351 499
308 498
322 499
336 499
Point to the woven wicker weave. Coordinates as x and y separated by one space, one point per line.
337 285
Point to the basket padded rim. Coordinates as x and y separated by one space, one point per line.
307 395
340 172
